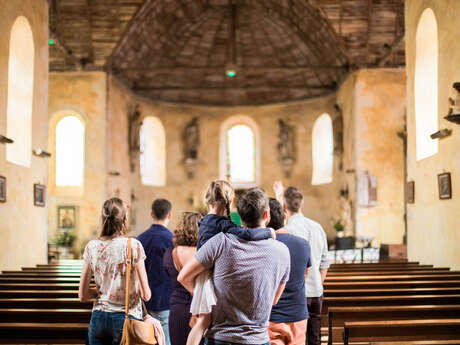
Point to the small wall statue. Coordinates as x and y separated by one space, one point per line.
191 142
286 147
454 104
134 125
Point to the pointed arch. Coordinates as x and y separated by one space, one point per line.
20 92
322 150
426 85
152 152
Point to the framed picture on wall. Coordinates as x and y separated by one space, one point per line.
39 195
67 217
410 192
444 186
2 189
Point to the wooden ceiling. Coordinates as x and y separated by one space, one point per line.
178 50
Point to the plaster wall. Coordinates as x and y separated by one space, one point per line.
433 224
373 103
83 95
23 226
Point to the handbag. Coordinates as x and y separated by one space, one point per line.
135 332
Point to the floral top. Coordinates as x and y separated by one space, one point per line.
107 259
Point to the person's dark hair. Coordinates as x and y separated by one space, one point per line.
276 214
251 206
186 232
220 192
160 209
113 217
293 199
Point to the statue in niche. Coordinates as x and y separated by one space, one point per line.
191 141
454 104
134 127
286 147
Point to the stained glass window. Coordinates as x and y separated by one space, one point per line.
426 85
70 151
20 93
241 164
152 152
322 150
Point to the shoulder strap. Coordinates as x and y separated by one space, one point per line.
128 276
176 260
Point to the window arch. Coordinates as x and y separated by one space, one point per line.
70 151
239 159
322 150
20 93
152 152
426 85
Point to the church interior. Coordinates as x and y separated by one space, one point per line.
354 102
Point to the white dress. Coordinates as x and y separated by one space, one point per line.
203 294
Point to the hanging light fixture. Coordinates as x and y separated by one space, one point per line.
231 69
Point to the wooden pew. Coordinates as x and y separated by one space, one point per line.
43 333
337 316
395 277
45 315
38 294
365 301
429 283
38 286
43 303
401 330
392 292
387 273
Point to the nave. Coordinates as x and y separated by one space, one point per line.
392 302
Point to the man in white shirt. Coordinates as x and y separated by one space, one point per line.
299 225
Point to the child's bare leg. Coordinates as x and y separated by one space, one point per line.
196 334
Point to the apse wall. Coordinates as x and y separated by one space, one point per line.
23 226
434 223
321 202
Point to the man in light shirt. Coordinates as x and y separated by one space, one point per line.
299 225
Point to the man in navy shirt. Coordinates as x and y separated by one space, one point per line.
156 240
288 319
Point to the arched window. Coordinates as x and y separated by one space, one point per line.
426 85
239 155
20 93
322 150
153 152
70 151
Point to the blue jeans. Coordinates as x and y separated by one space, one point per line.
163 317
105 328
220 342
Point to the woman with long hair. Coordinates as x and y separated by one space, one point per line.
106 259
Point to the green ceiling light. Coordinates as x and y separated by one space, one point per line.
51 42
230 70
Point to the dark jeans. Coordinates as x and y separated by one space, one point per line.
106 328
314 305
219 342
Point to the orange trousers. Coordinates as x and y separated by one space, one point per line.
287 333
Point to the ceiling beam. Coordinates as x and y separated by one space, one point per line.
384 58
170 69
68 53
90 21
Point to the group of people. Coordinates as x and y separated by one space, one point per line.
212 281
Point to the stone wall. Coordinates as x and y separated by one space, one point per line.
23 226
433 224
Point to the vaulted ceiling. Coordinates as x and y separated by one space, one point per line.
178 50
